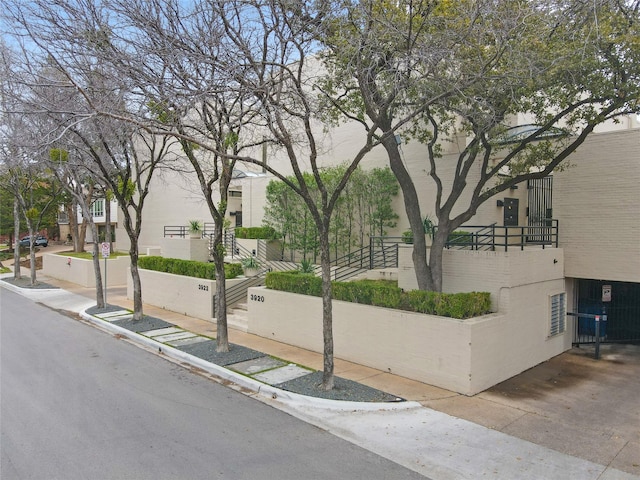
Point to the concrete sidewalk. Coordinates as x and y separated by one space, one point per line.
572 417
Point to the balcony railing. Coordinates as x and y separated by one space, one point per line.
493 237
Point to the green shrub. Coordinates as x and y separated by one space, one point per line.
306 267
232 270
460 237
295 282
455 305
187 268
368 292
385 294
407 236
266 233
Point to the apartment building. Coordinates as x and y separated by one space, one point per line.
583 220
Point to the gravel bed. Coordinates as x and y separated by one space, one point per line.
107 309
25 282
207 351
343 389
309 385
147 323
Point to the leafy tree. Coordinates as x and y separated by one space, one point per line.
382 187
6 214
436 71
364 209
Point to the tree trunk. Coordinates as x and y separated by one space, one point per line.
435 256
222 332
16 248
412 208
96 268
32 259
137 285
327 311
107 224
73 227
83 234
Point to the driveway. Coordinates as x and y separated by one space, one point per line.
572 403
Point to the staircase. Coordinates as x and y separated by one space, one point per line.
238 317
356 264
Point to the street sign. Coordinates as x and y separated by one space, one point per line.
106 249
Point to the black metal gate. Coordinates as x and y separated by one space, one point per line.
622 311
539 210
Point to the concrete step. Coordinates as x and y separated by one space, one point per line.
242 306
238 320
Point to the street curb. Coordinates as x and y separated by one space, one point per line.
21 290
255 387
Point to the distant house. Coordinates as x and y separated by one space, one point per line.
99 215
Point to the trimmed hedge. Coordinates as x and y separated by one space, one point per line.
295 282
383 293
266 233
455 305
188 268
460 237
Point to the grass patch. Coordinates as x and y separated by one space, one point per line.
89 255
5 269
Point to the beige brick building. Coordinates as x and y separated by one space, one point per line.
590 262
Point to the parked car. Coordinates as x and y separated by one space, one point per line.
41 241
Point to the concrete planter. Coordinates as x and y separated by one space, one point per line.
80 271
251 272
272 248
185 248
466 356
177 293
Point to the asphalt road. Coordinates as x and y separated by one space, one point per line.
77 403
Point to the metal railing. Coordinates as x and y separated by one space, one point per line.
176 231
590 328
233 248
382 252
492 237
238 292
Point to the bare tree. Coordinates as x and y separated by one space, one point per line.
188 97
73 39
35 191
275 42
78 181
239 75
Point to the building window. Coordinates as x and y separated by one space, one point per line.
97 208
558 314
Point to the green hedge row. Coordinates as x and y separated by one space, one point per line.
188 268
295 282
386 294
267 233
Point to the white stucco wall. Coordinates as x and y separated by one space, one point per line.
466 356
185 248
80 271
177 293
